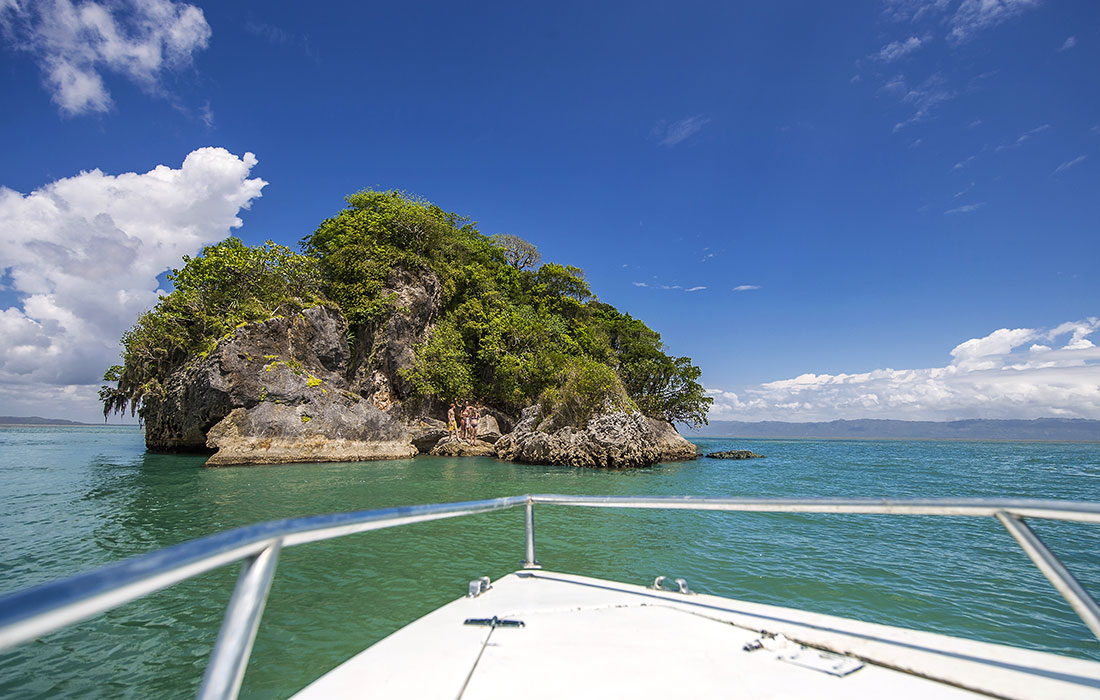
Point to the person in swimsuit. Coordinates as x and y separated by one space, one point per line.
474 415
465 423
452 426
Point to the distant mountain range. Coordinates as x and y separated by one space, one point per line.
1059 429
1064 429
36 420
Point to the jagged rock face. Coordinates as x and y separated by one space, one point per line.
245 368
453 447
613 439
331 428
387 347
274 391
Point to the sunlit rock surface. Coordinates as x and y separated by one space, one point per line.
613 440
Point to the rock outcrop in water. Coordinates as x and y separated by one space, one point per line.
735 454
398 304
612 439
338 429
288 390
292 390
272 392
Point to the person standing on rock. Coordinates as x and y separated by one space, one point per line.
452 427
474 415
464 431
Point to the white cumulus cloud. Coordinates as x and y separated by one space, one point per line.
76 43
83 254
1008 373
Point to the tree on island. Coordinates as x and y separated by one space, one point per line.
510 331
517 252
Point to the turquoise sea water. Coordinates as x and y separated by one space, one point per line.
75 498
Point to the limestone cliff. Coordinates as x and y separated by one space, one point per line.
385 348
293 390
340 429
274 391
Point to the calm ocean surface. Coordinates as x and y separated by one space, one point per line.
75 498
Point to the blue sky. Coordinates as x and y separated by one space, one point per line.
824 201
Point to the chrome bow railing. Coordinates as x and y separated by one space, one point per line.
28 614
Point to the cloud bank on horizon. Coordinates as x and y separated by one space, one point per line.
1010 373
82 255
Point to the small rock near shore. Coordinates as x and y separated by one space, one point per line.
735 454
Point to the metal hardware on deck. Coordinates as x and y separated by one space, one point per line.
31 613
800 655
681 585
493 622
818 660
478 586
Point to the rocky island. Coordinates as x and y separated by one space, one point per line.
352 350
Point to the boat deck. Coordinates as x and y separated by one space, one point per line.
584 636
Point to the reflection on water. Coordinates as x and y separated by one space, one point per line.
77 498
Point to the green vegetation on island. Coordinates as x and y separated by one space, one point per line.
511 331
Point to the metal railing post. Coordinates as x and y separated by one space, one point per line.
228 660
1056 572
530 562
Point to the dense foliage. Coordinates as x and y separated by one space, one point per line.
584 388
226 285
511 332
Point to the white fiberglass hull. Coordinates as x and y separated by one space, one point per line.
584 637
